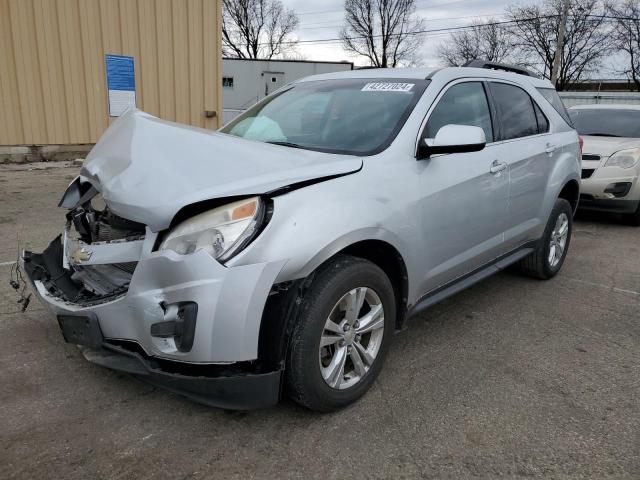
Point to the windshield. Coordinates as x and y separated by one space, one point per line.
607 122
353 116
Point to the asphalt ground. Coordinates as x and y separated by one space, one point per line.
513 378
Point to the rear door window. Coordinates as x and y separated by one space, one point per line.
543 123
515 111
463 104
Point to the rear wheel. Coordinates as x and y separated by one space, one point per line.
341 335
547 260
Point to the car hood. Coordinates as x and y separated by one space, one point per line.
605 146
147 169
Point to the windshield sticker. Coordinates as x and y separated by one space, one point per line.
388 87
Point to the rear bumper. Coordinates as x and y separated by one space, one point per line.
237 392
589 202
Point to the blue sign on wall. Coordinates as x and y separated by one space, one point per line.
121 83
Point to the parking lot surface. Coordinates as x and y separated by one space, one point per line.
511 378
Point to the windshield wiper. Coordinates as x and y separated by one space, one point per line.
286 144
602 135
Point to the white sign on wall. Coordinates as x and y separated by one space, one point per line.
121 83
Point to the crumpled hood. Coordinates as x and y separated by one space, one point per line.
606 146
147 169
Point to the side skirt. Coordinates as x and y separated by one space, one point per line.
465 281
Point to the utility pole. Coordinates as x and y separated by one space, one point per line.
560 44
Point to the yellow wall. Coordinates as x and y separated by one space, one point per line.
52 71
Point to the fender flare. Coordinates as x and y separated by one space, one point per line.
348 239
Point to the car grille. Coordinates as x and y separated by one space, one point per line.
587 172
590 156
128 267
101 282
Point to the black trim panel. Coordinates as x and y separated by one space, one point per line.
237 392
588 202
465 281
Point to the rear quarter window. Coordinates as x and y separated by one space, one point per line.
554 99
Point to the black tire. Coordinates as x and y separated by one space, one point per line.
537 264
303 377
633 218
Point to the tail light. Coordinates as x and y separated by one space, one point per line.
581 143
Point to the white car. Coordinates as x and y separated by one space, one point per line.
610 158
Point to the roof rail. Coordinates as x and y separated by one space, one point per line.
498 66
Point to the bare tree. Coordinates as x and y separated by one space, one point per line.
626 35
485 40
386 32
257 28
587 39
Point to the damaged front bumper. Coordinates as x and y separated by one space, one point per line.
216 386
212 357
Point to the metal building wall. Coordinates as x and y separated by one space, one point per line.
52 68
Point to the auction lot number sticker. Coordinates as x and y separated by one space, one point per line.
388 87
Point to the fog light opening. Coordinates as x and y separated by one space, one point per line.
179 323
619 189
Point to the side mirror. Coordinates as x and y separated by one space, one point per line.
453 139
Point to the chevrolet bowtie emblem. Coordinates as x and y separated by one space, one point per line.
80 255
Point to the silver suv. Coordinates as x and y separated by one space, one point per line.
280 254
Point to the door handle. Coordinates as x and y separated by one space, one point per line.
497 167
550 148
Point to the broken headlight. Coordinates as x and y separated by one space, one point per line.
221 232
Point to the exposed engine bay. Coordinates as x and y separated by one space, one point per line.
62 271
102 226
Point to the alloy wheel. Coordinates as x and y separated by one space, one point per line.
558 240
351 338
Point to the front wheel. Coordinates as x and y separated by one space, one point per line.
547 260
341 335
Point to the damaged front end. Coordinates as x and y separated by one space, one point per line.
183 322
93 260
143 275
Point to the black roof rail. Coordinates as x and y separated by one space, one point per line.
498 66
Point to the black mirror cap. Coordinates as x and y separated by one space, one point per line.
425 151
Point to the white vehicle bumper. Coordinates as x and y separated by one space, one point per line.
609 188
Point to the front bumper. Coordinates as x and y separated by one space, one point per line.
589 202
609 189
230 303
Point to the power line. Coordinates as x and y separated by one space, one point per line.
418 32
418 4
335 25
447 29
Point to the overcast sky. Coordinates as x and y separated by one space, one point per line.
323 19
